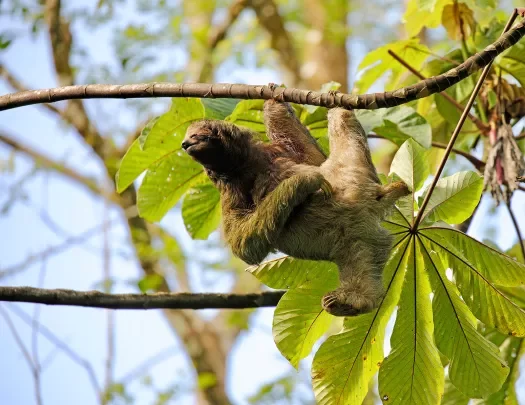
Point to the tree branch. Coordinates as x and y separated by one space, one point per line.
97 299
421 89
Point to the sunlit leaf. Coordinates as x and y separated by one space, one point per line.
412 373
345 363
249 114
411 165
475 367
201 210
455 198
477 269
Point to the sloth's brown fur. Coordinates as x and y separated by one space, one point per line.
286 195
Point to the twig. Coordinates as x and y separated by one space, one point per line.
366 101
517 227
479 124
520 136
106 255
50 336
457 130
18 86
97 299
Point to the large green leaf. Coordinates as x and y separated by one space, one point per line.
378 62
286 272
423 13
411 164
249 114
162 137
412 373
345 363
477 269
201 210
166 182
397 124
299 320
454 198
475 367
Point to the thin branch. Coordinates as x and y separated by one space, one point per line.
477 163
97 299
59 168
59 344
366 101
161 356
458 129
520 136
18 86
479 124
517 227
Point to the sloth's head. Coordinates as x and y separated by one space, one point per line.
217 145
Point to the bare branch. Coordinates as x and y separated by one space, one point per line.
97 299
366 101
18 86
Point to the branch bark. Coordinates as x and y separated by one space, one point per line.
404 95
97 299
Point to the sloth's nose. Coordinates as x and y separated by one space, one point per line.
185 145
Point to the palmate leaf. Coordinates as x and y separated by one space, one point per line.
478 270
454 198
475 367
345 363
412 373
299 320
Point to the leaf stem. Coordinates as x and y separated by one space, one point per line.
455 134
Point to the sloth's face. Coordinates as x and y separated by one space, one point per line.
204 143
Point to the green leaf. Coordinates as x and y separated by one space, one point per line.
249 114
453 396
397 124
346 362
165 183
513 350
378 62
423 13
454 198
201 210
286 273
150 282
412 373
477 269
475 367
411 164
299 320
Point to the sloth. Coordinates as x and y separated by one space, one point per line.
286 195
